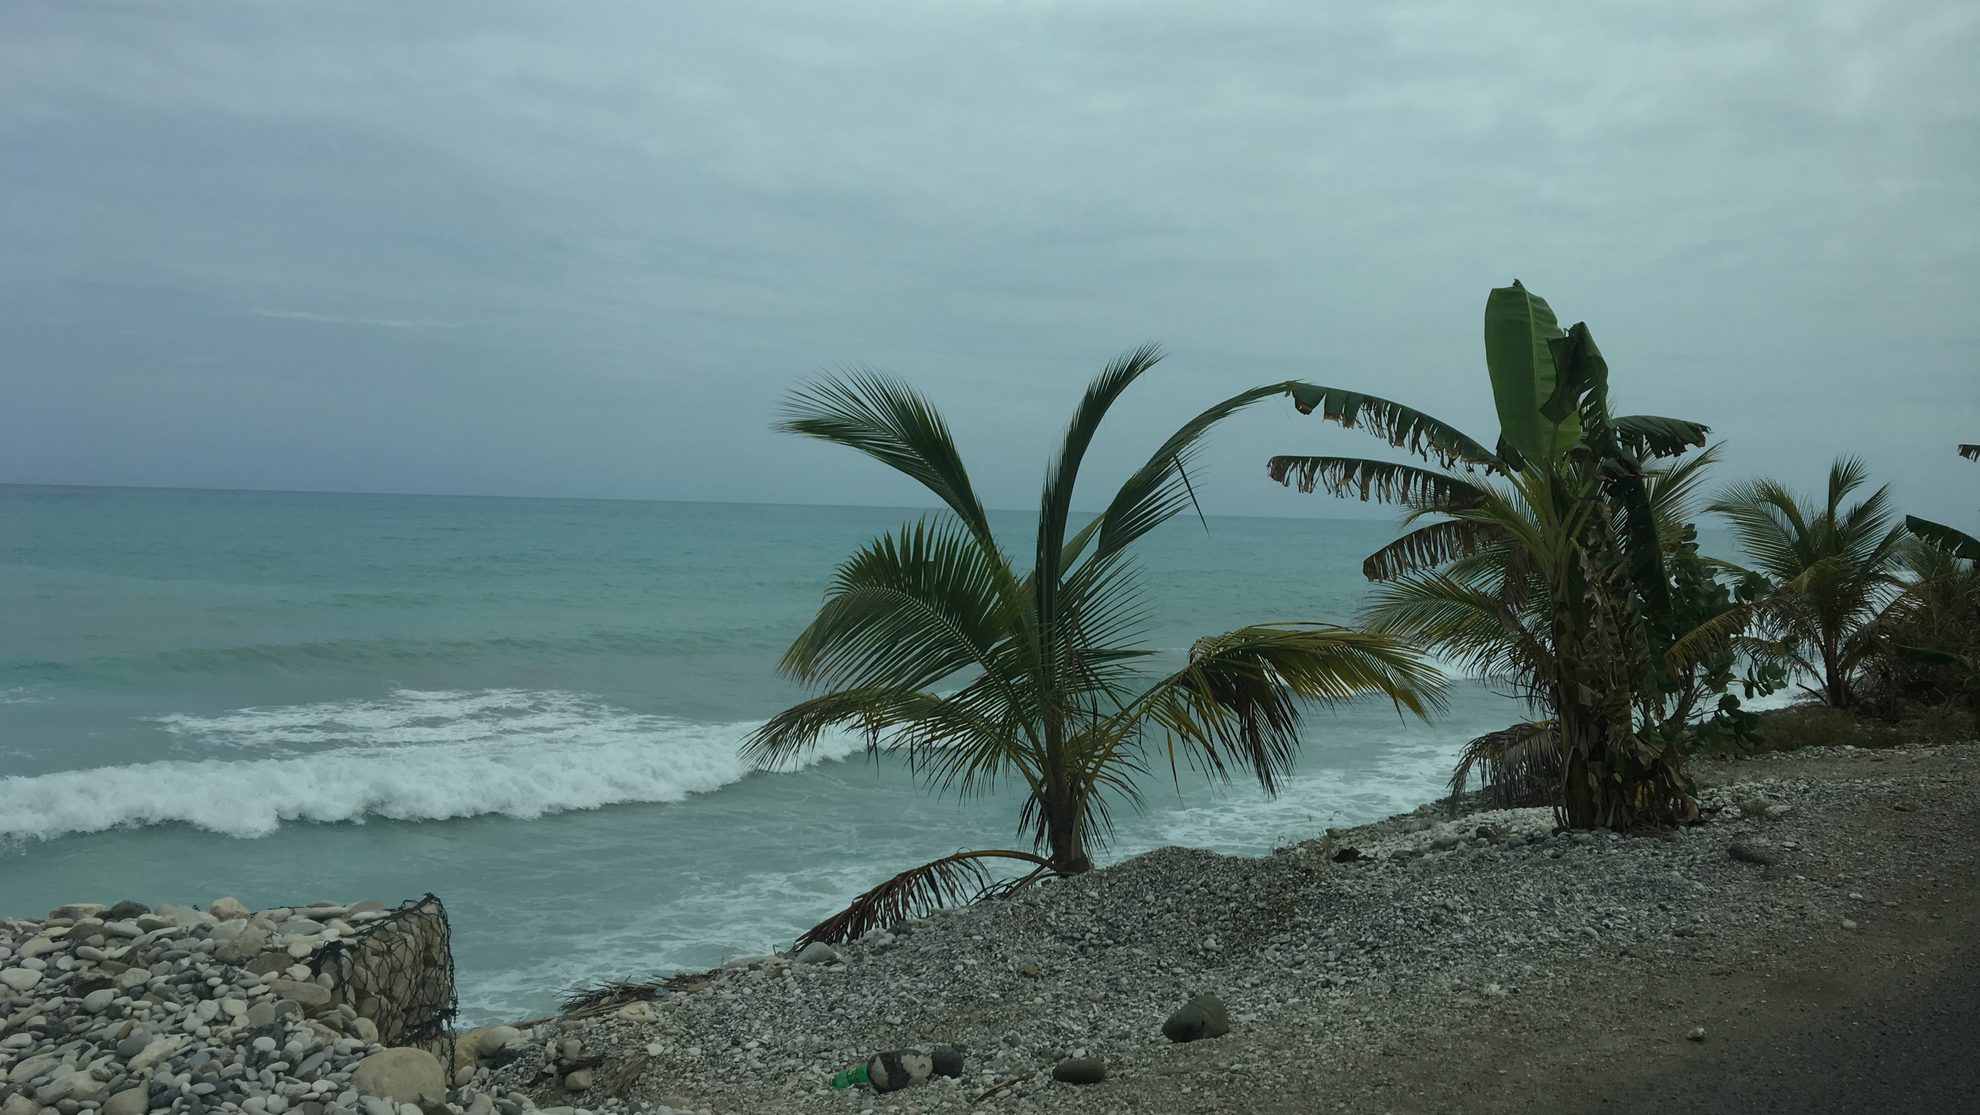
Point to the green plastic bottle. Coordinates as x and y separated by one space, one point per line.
846 1078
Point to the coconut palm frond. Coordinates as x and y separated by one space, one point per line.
1516 767
950 881
906 611
1696 645
886 419
1055 501
1236 702
1160 489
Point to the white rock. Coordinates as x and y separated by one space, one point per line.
227 909
20 979
158 1050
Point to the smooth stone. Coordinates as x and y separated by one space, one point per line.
639 1012
97 1001
76 911
578 1081
130 1101
1080 1070
133 1045
314 998
817 952
401 1074
158 1050
20 979
34 1068
1202 1017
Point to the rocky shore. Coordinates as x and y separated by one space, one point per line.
125 1009
1394 978
1448 933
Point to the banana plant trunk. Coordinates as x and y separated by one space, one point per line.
1612 778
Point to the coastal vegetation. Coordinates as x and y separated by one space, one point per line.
1562 563
938 645
1559 563
1831 568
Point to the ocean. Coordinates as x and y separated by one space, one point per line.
531 707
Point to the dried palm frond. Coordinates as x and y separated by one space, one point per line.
1517 766
952 880
613 993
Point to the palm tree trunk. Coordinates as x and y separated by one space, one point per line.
1062 803
1062 826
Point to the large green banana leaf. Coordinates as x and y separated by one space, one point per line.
1520 329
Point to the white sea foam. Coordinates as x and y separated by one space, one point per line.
416 756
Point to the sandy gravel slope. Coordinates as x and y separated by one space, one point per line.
1477 964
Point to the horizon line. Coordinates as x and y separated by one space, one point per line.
609 499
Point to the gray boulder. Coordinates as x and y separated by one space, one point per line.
1202 1017
402 1075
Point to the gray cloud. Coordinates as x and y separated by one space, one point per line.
230 235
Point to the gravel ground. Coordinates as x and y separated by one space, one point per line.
1809 946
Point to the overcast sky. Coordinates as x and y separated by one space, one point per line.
583 249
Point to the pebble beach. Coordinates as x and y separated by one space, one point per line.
1330 971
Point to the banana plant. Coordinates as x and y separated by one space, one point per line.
1534 562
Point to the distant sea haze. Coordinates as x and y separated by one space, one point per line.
532 707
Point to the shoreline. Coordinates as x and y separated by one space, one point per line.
1446 924
1321 964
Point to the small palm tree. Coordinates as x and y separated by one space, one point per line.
938 645
1832 570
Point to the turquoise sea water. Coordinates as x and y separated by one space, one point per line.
532 707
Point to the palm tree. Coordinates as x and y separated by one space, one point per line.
933 642
1536 563
1832 570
